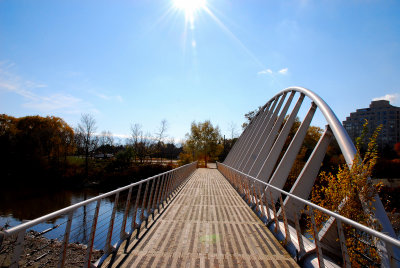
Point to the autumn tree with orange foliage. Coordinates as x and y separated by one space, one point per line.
33 143
351 193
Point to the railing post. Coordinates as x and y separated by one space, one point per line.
143 204
165 192
149 203
108 246
236 182
277 228
299 234
170 185
343 247
64 247
266 205
243 185
257 201
156 194
173 185
261 202
88 257
393 262
177 182
247 187
123 233
316 239
161 193
136 208
18 249
287 232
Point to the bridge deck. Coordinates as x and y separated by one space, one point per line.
208 225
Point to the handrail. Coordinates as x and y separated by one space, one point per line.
31 223
364 228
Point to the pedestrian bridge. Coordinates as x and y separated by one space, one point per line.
233 214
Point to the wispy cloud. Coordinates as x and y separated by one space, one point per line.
54 102
266 71
107 97
392 98
283 71
36 100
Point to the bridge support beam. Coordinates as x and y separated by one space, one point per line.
269 163
282 171
305 181
263 130
253 170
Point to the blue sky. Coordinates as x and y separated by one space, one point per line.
141 61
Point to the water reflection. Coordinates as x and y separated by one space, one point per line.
19 205
28 204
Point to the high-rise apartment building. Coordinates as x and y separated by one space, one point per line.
379 113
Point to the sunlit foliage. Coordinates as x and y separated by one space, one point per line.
48 137
351 193
203 142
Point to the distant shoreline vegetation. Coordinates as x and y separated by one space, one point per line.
45 152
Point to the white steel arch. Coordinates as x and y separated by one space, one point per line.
257 150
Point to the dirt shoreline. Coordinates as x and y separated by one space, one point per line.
43 252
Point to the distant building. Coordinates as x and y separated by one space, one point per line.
379 113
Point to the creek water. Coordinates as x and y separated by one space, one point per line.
19 205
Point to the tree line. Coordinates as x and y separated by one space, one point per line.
46 151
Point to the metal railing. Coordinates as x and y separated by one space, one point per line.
105 222
259 195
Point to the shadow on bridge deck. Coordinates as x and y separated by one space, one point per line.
207 225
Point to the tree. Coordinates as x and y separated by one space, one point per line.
249 116
233 130
171 151
351 193
106 142
88 141
106 138
34 146
147 146
204 141
136 133
160 136
227 146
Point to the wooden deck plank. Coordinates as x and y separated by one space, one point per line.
208 225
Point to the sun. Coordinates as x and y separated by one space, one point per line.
189 6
